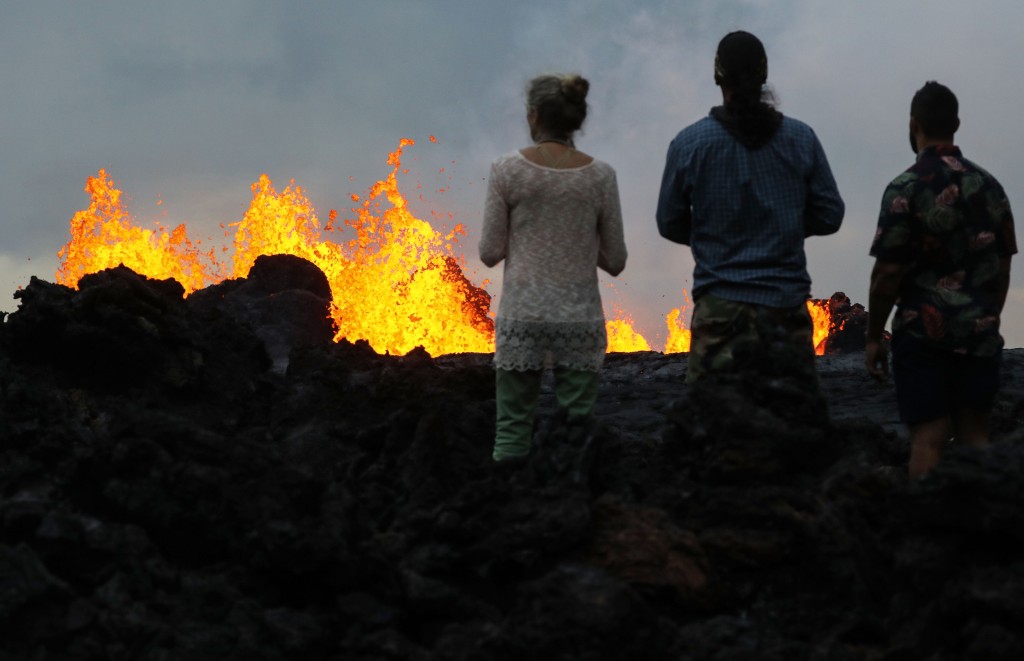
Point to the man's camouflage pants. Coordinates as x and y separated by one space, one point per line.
720 327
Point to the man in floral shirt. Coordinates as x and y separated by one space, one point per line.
943 246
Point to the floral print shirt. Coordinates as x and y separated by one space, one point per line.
950 222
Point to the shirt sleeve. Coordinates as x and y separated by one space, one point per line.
1005 232
894 237
825 208
494 236
674 213
612 254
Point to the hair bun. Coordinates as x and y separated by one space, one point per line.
575 88
560 101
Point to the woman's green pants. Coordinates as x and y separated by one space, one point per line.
516 395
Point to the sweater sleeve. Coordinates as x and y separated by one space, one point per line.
494 236
612 254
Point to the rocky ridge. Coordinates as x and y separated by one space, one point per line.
212 477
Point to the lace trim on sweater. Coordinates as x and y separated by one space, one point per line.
532 345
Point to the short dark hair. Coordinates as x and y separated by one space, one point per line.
936 110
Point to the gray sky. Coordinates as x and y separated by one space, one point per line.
189 101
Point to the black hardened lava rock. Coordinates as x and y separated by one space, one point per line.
175 485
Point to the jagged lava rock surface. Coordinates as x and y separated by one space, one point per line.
212 478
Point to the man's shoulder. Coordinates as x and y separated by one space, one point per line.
989 178
795 127
794 124
906 178
936 168
708 131
704 127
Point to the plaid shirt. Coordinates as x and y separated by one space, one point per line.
745 213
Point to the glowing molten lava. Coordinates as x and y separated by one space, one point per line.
103 237
621 335
821 316
397 284
678 334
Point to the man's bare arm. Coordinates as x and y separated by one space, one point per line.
885 286
1004 280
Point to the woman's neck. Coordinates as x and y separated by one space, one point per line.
560 141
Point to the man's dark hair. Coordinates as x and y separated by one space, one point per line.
741 67
936 110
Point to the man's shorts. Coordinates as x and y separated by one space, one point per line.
931 382
722 326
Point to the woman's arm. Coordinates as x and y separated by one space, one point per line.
611 256
494 236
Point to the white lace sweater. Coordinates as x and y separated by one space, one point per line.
553 228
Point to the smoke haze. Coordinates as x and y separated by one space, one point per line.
188 102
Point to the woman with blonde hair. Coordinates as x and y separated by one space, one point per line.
552 213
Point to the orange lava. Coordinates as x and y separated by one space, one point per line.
622 337
397 284
103 237
678 334
821 316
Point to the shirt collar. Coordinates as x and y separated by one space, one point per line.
939 150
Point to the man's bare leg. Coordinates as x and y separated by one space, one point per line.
971 427
926 442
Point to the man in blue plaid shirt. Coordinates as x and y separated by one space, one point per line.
744 187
